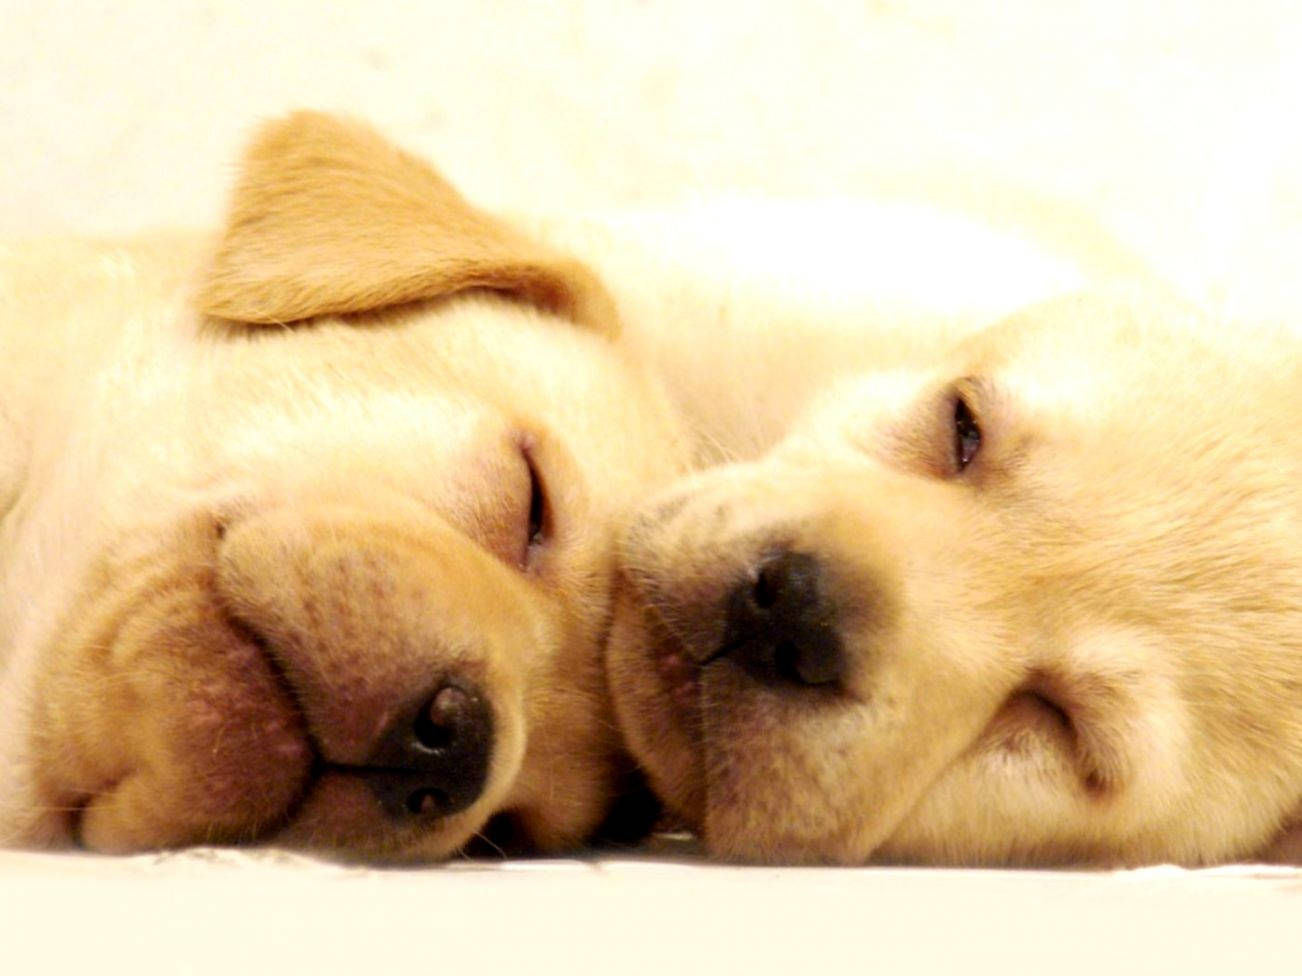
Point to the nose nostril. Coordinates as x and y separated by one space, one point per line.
785 662
427 802
781 624
767 588
434 757
436 725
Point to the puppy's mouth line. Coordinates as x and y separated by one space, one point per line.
76 807
1038 701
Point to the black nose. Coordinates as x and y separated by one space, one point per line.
433 758
781 627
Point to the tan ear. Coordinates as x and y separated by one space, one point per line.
329 218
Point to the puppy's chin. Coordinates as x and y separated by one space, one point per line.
339 817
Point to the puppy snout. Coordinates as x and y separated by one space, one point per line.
397 645
433 758
781 627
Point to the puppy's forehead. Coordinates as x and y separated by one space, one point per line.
477 346
1152 425
1102 360
1078 341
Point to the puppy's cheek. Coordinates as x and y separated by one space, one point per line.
161 726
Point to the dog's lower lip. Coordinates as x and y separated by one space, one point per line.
307 743
680 677
674 674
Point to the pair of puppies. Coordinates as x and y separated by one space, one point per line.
1032 595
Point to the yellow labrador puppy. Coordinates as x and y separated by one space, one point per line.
305 530
1029 593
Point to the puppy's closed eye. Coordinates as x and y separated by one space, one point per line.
537 521
509 508
943 434
966 434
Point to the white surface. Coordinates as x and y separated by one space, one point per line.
227 912
1175 127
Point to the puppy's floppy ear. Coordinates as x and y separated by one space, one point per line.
329 218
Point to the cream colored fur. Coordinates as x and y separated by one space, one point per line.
1085 647
234 541
261 491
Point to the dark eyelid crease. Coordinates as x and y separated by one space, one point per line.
537 499
967 436
986 404
538 516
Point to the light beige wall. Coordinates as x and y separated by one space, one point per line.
1177 126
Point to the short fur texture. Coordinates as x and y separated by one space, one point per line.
1083 647
260 494
235 550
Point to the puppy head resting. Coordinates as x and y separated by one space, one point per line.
1041 604
342 583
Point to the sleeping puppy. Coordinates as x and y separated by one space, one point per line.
1021 594
306 530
